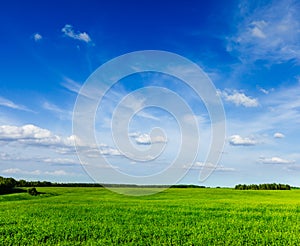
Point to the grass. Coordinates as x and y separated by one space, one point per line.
96 216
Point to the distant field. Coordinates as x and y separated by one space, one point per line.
96 216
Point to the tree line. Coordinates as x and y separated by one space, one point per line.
273 186
9 185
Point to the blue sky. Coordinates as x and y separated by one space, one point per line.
250 51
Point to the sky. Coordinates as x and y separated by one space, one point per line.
250 50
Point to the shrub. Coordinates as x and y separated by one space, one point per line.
32 191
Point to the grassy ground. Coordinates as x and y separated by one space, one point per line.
96 216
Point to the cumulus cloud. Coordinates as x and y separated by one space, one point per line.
145 139
9 104
37 37
268 32
275 160
278 135
68 31
238 98
237 140
109 151
34 135
8 132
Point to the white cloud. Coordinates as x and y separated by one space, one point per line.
9 104
190 119
257 29
8 132
36 172
282 109
35 138
278 135
62 114
75 87
237 140
69 32
265 91
37 37
51 107
134 134
71 85
4 156
61 161
275 160
110 151
201 165
50 160
268 32
145 139
58 173
238 98
33 135
19 171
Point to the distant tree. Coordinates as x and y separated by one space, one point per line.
7 185
32 191
22 183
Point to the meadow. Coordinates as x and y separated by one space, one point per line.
97 216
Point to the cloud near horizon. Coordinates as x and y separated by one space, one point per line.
37 172
275 160
200 165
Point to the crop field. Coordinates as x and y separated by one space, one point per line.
96 216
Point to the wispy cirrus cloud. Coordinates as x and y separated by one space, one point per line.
61 113
71 85
10 104
267 32
200 165
69 31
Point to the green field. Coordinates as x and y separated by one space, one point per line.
96 216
